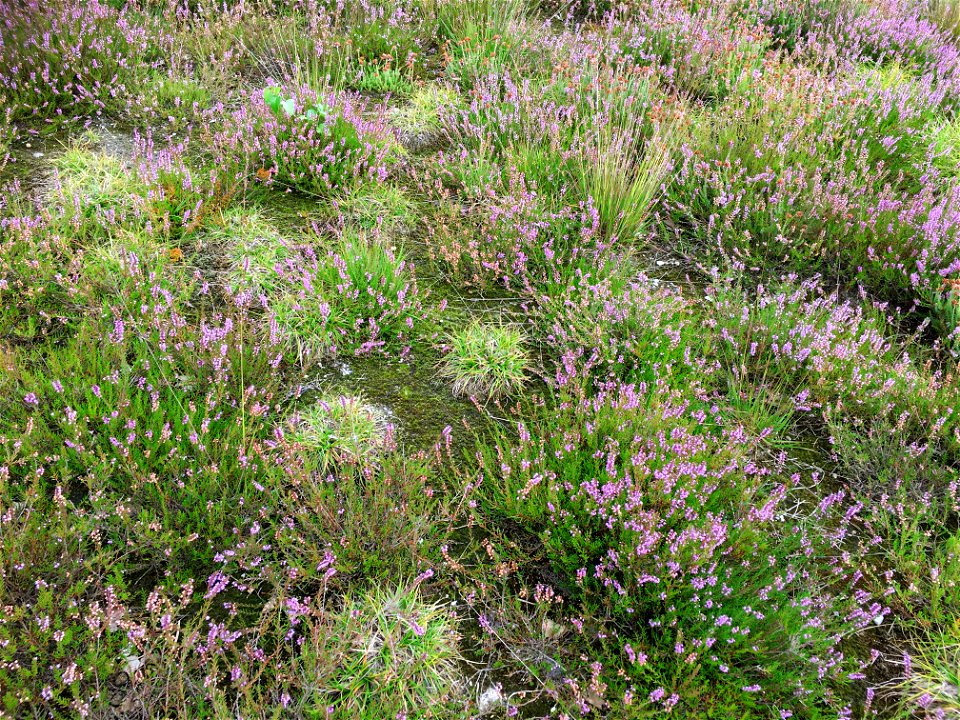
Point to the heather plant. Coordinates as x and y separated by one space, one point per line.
178 99
895 110
840 353
59 60
791 24
617 325
819 198
621 470
163 408
302 140
516 243
51 656
97 195
382 518
43 268
709 51
737 199
178 198
705 462
486 360
832 34
7 132
945 314
110 269
384 43
501 115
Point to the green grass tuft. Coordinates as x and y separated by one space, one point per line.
388 654
486 360
341 431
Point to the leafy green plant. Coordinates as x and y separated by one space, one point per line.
281 104
486 360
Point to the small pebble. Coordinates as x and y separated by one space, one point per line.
489 700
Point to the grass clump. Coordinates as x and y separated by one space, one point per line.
360 297
386 207
341 431
946 14
255 250
931 678
481 20
387 654
486 360
420 116
94 190
622 188
483 36
946 141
